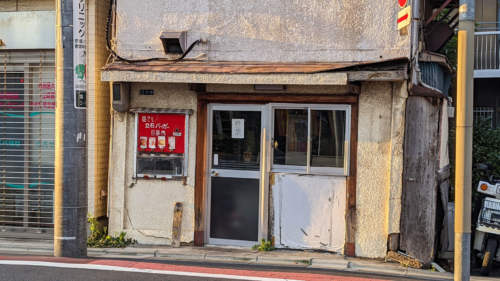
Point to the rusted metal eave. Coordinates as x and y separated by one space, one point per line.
423 90
258 72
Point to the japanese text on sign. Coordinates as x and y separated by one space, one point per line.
79 54
161 133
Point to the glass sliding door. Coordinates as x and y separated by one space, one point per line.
234 178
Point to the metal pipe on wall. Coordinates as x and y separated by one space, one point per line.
415 32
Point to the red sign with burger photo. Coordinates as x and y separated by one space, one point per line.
161 133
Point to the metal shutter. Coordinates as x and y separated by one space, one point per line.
27 119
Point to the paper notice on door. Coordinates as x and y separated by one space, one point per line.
238 129
216 159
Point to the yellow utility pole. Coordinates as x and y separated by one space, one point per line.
463 163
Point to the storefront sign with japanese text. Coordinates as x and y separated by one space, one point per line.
79 53
161 133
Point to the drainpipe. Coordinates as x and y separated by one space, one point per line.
415 43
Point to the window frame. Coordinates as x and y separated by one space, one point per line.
185 166
308 169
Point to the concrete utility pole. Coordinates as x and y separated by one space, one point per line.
70 202
463 163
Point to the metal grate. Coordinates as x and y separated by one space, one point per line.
490 213
482 113
486 54
27 118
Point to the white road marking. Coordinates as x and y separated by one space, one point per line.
136 270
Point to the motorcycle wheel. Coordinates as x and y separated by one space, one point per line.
491 246
475 260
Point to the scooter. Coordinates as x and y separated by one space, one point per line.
487 234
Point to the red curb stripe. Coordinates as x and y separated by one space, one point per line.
238 272
193 269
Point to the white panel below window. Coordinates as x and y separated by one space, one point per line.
309 212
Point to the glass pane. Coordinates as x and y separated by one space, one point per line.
154 165
145 165
236 140
234 212
290 137
169 166
327 138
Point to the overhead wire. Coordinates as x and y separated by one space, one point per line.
112 3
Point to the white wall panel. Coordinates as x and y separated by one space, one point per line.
309 212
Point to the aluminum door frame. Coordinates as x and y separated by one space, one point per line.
262 174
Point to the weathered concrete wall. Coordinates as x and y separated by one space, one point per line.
399 97
27 5
263 30
378 173
144 208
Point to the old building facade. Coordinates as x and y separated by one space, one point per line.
291 123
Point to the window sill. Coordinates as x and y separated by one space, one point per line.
160 178
311 173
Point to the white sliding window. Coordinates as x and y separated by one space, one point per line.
311 139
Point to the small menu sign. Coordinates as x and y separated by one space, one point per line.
161 133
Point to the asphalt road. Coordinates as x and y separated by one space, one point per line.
36 273
49 273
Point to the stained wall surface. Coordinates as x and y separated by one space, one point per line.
262 30
379 171
144 208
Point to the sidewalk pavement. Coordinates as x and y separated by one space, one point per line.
293 258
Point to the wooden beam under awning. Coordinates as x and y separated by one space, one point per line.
380 76
322 78
256 73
